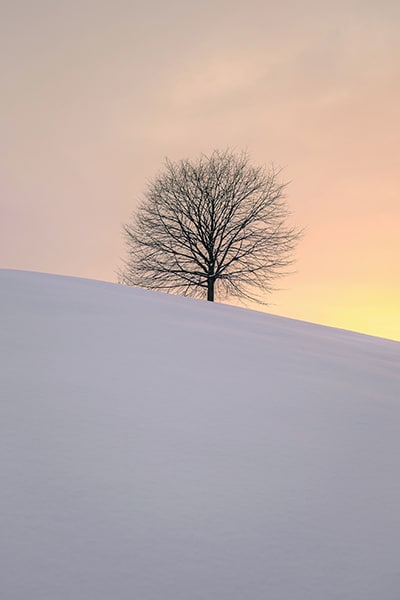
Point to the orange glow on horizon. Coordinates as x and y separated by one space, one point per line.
365 310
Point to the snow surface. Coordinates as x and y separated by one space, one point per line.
159 448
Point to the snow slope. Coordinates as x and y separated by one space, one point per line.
159 448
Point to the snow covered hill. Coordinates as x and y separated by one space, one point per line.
159 448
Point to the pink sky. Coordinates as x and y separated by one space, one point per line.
95 94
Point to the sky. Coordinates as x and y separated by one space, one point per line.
95 95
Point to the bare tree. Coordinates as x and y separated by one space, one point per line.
216 224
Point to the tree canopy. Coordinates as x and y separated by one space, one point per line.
214 225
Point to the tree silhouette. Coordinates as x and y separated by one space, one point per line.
215 224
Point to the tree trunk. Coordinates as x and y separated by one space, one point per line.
210 289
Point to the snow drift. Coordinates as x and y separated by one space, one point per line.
159 448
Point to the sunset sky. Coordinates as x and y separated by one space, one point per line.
95 94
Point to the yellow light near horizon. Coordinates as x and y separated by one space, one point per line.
373 315
371 311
